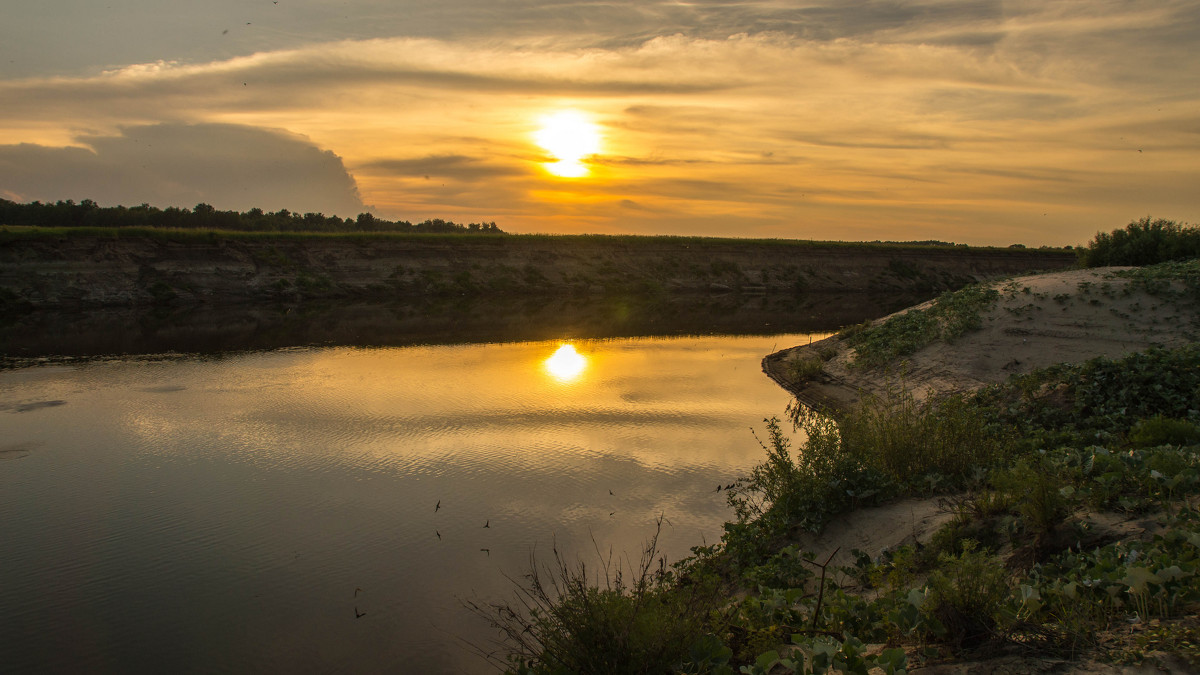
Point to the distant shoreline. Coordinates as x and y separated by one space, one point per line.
90 267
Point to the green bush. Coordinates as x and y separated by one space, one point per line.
1036 491
1142 242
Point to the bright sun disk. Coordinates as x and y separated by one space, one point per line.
570 137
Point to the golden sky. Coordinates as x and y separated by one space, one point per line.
975 121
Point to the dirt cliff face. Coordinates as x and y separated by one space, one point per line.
84 271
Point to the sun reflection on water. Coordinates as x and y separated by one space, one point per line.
566 364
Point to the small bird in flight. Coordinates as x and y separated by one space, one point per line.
438 506
488 523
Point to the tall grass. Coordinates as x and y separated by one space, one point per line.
615 617
908 439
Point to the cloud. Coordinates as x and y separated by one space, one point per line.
873 114
228 166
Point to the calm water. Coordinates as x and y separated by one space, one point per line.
201 514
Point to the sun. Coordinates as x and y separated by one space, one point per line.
570 137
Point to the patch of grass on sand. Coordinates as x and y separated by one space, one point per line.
951 316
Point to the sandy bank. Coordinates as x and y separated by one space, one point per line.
1038 320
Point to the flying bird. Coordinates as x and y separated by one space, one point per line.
439 534
438 506
357 591
358 614
488 523
487 550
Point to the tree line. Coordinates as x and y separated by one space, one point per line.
88 213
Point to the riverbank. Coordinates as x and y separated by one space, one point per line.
88 268
1103 360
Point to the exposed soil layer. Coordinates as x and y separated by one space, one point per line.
126 270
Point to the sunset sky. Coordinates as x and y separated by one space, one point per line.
974 121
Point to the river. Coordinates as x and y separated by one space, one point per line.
332 508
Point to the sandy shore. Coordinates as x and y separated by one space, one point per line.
1039 320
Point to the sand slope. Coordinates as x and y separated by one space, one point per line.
1038 321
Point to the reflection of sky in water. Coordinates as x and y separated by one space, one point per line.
257 491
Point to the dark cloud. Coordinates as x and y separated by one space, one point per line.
458 167
228 166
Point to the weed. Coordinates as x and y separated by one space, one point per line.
965 595
804 369
620 621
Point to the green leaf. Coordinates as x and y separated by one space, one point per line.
1136 578
1170 573
767 660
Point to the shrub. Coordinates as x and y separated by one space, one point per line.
1036 490
1159 430
1142 242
